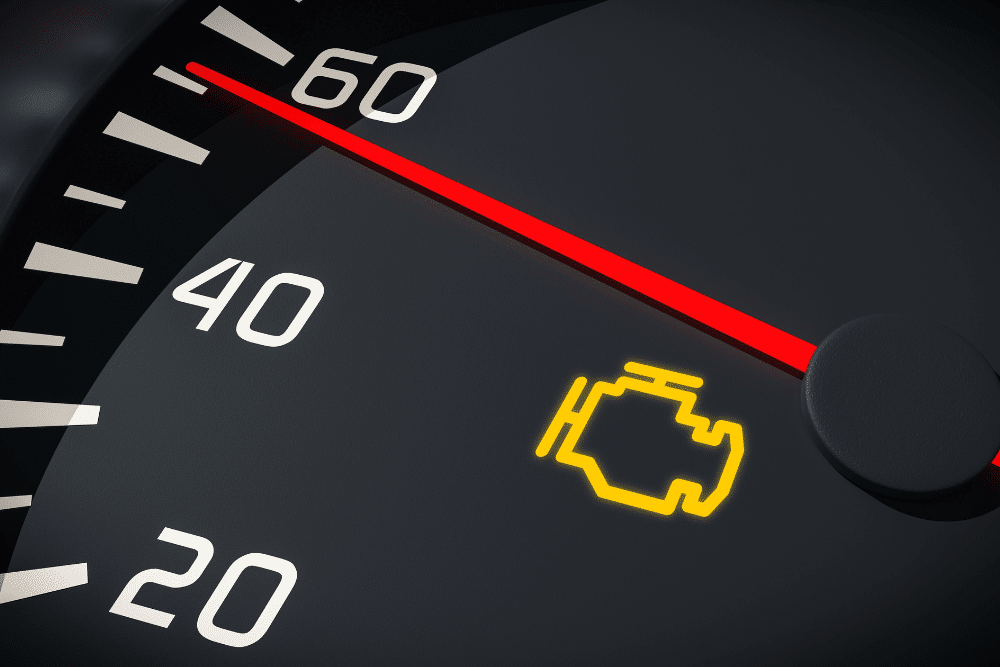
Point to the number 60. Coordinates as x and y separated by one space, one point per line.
318 70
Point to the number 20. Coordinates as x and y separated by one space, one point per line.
124 606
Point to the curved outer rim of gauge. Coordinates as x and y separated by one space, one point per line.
124 47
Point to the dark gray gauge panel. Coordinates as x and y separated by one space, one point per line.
305 411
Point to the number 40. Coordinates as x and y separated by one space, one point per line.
215 305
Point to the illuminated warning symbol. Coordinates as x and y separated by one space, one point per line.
702 432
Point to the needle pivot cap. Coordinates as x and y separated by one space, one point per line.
903 406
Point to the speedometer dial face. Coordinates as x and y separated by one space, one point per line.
486 333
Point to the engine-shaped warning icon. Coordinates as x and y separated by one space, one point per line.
656 382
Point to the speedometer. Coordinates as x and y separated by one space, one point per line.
620 332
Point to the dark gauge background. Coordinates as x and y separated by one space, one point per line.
807 163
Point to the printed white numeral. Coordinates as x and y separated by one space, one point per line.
430 77
315 288
206 625
124 606
317 70
214 305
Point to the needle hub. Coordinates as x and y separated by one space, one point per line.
903 406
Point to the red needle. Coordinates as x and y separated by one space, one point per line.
708 312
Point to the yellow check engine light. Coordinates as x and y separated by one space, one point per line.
702 432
